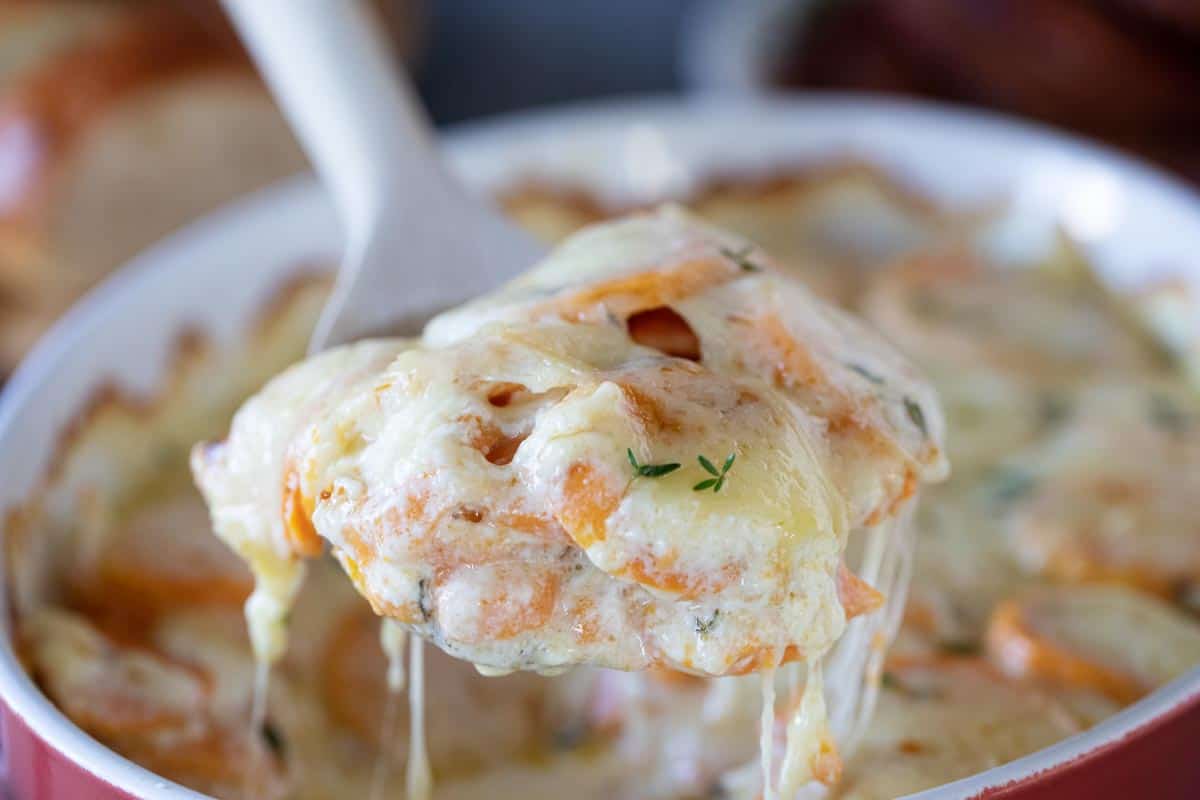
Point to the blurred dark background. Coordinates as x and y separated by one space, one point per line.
1124 71
487 56
152 111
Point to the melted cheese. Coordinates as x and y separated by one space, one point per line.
484 485
766 733
392 639
810 753
419 779
477 485
253 778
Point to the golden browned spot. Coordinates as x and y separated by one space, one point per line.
910 747
586 505
503 450
497 447
856 595
630 294
664 330
297 517
502 394
470 513
1023 652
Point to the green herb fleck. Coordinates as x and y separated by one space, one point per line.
570 737
741 257
273 738
925 305
916 415
866 373
705 626
649 470
1187 594
1166 415
1010 485
715 483
716 791
888 681
959 647
1052 410
423 600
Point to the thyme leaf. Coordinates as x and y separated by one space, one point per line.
1166 415
715 483
960 647
649 470
423 600
705 626
741 257
1053 409
1010 485
272 738
866 373
916 415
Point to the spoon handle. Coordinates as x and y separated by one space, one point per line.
415 240
340 86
